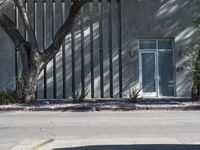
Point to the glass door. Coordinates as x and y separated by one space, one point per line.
148 73
166 82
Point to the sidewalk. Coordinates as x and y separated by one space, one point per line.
105 105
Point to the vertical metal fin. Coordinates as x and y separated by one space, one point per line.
91 50
120 46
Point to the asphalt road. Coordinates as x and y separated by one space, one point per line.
139 130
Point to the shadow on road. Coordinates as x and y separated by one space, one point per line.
136 147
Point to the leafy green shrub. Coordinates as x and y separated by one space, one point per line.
79 97
193 55
8 97
133 95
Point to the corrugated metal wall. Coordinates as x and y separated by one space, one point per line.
90 57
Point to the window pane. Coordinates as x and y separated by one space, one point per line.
164 44
147 44
148 71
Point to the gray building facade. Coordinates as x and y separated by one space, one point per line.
114 47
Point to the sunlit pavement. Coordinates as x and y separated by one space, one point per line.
139 130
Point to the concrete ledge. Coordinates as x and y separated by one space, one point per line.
103 105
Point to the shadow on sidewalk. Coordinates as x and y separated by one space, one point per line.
136 147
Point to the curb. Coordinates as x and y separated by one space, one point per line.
86 107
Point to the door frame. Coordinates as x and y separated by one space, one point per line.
157 78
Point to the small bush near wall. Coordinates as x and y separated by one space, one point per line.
133 95
79 97
8 97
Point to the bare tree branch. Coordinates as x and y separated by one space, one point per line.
9 27
65 29
31 33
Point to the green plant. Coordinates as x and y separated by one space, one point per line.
78 97
133 95
8 97
190 54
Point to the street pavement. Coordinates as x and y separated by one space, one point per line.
137 130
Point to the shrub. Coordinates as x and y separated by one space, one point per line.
79 97
8 97
133 95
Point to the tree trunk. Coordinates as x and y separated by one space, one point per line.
32 65
26 87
